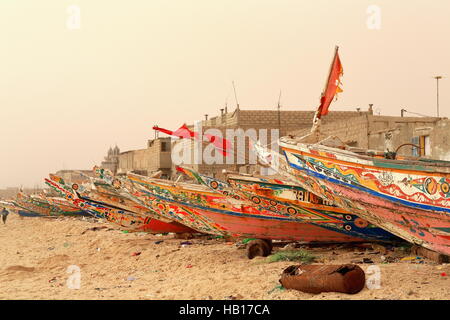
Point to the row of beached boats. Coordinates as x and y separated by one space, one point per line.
245 206
323 192
312 202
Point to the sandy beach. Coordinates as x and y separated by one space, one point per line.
37 252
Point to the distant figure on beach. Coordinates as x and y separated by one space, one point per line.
4 214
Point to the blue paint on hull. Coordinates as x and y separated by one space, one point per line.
364 189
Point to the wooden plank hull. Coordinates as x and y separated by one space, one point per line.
238 219
39 208
411 201
47 206
163 210
125 219
187 216
278 197
25 213
275 228
65 207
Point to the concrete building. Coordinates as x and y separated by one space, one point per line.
156 157
430 135
241 126
356 128
75 176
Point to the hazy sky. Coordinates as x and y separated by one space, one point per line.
66 95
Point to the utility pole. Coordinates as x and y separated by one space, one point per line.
235 97
437 93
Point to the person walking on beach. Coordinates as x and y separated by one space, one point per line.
4 214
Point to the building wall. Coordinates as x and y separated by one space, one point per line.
75 176
353 131
268 126
440 140
355 128
148 160
387 133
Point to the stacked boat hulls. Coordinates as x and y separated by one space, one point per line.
308 201
42 205
409 197
243 206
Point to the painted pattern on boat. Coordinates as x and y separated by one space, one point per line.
292 201
125 219
171 211
411 200
239 219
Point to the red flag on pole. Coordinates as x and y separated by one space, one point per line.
332 86
185 133
182 132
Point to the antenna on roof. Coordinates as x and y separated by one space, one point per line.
279 112
235 96
226 105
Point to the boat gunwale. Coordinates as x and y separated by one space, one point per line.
369 166
344 152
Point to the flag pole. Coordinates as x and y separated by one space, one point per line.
317 116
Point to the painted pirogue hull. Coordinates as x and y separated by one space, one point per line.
240 224
47 206
102 196
158 221
25 202
408 199
241 220
9 205
146 200
275 195
283 197
102 190
125 219
187 216
12 206
25 213
65 207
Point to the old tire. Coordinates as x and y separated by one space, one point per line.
269 242
258 248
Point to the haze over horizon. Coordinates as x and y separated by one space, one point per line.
67 95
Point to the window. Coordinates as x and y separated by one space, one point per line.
424 146
165 147
415 151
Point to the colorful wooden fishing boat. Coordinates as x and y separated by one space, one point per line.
64 207
125 219
281 196
241 220
12 206
47 206
407 197
34 205
187 216
9 205
171 211
103 193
